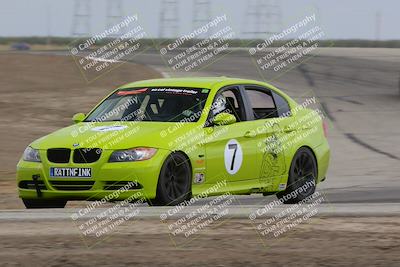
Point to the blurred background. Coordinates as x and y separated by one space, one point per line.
254 19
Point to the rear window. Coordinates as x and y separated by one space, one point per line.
281 105
262 103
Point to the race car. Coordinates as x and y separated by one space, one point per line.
168 141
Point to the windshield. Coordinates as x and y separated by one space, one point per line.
163 104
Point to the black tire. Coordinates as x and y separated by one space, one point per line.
44 203
302 177
174 182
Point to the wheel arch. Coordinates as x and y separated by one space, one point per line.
157 201
187 157
188 160
314 155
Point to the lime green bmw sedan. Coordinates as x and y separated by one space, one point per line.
168 140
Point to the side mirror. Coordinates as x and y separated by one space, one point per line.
224 119
78 117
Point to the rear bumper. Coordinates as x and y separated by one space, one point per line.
323 154
113 181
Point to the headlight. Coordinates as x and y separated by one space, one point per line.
31 154
134 154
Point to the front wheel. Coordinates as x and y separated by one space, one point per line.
174 182
44 203
302 177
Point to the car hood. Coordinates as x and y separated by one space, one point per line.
115 135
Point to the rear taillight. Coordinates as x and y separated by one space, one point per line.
325 127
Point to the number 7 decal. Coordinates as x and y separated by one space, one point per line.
233 156
234 147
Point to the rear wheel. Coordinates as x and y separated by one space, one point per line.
44 203
302 177
174 182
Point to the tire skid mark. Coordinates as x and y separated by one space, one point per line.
399 83
342 98
327 112
358 141
363 80
306 73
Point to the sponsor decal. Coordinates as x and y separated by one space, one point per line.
178 91
200 161
199 178
133 92
109 128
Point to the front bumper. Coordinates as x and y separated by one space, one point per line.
113 181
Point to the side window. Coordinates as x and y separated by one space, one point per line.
262 103
229 101
282 105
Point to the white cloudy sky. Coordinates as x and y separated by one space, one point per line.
340 19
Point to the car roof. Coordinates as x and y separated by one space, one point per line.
197 82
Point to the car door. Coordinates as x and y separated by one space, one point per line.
230 150
270 135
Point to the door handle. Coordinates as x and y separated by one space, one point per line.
288 129
250 134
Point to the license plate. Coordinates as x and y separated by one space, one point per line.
71 172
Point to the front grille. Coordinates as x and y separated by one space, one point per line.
86 155
72 185
58 155
31 185
116 185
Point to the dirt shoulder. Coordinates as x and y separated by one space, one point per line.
39 94
347 241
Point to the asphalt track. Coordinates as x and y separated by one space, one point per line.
358 90
235 211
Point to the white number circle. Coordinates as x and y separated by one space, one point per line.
233 156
